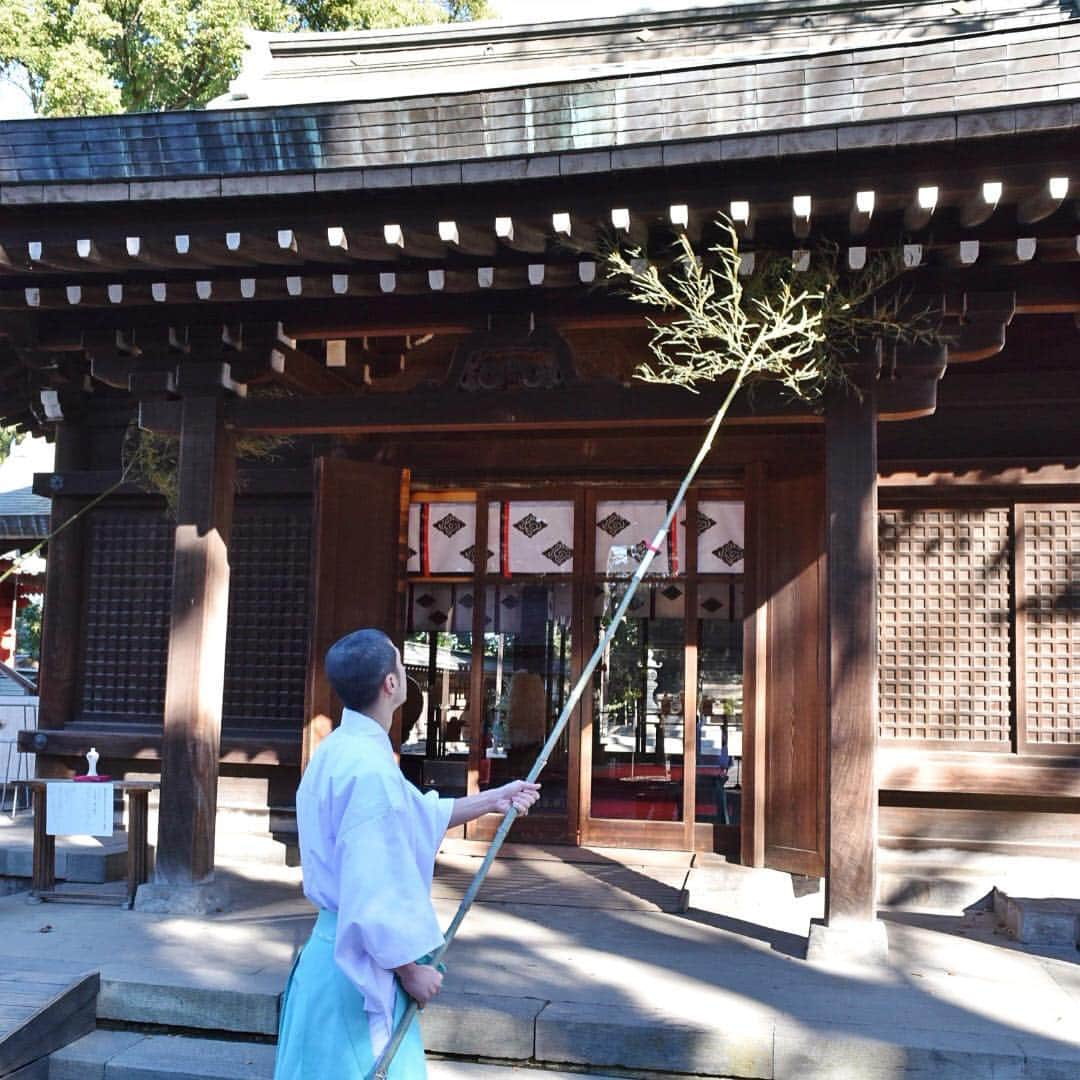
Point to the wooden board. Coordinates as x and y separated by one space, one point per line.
359 549
795 669
41 1011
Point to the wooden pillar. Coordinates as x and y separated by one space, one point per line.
851 502
195 676
361 528
61 631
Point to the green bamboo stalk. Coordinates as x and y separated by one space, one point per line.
381 1068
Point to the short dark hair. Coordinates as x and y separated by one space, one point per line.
357 664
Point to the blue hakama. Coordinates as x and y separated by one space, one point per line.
323 1033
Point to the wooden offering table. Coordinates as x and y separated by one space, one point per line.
43 883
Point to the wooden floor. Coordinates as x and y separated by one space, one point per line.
568 877
41 1010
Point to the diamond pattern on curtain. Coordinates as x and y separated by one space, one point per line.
720 536
442 539
624 530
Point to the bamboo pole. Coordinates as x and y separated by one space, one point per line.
381 1068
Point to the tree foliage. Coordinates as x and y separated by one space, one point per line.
10 437
86 57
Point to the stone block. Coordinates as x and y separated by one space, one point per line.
176 1057
251 1011
845 944
160 899
481 1025
88 1057
616 1036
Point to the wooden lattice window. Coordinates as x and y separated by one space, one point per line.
945 626
1049 624
266 652
129 562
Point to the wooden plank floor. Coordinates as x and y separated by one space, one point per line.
42 1010
610 886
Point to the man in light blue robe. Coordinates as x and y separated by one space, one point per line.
368 841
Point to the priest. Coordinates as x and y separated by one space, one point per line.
368 841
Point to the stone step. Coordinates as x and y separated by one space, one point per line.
128 1055
87 859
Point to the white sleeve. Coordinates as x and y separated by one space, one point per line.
434 812
384 905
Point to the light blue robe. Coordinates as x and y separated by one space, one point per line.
368 841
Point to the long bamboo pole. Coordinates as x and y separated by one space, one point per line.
380 1071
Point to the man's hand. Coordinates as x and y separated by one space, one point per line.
421 981
518 793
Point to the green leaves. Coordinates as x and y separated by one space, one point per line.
796 327
88 57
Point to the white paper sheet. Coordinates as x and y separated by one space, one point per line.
79 810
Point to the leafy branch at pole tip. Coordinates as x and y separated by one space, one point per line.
800 328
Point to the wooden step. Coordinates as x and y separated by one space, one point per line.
41 1010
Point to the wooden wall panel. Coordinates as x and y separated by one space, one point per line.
127 601
269 617
1049 625
359 569
944 626
795 738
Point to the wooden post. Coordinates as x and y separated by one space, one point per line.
196 662
61 631
755 639
361 517
851 499
44 855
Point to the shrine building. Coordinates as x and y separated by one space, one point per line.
364 293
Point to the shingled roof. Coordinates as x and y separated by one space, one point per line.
651 88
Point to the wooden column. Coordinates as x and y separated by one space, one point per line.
194 684
851 499
61 631
361 524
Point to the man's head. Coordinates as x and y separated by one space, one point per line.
366 672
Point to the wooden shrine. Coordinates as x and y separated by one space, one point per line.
865 629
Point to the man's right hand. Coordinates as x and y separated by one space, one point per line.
421 981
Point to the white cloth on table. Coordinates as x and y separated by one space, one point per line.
368 841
